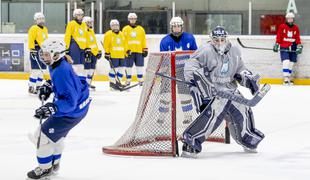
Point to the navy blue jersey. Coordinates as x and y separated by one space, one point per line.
185 42
71 91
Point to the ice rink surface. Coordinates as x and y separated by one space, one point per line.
283 115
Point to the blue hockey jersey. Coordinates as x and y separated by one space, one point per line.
185 42
71 91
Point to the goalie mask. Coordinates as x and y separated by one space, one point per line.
176 26
219 40
51 51
39 18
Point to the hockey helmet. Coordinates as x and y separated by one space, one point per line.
52 50
219 39
176 22
89 21
39 18
132 16
77 12
289 15
114 25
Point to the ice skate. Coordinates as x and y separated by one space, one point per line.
38 173
188 151
249 150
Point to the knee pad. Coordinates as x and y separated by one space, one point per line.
286 67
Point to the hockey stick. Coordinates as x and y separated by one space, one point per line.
40 125
227 95
259 48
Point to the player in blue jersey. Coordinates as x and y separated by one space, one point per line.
177 40
69 106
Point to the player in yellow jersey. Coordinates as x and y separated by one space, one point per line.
135 37
115 47
76 41
90 63
36 35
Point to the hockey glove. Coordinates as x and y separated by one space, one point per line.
196 95
145 52
99 55
107 56
276 47
299 49
128 53
88 54
45 90
247 79
33 54
45 111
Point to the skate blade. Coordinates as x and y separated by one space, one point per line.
189 155
250 151
42 178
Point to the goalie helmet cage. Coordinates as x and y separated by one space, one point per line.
165 110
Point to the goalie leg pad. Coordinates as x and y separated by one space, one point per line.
242 128
209 119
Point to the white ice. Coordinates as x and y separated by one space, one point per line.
283 115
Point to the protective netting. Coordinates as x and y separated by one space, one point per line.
165 110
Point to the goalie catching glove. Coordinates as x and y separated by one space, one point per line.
45 111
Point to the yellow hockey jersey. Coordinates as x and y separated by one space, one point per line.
92 42
135 38
36 36
115 44
78 32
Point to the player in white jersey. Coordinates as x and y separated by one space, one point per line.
218 66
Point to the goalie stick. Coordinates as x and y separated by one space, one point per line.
258 96
259 48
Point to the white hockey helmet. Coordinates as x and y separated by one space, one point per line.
39 18
132 16
289 15
176 21
78 12
114 24
53 48
88 20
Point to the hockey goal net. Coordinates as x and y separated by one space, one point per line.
165 110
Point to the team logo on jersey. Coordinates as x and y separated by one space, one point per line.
188 45
289 33
91 39
80 31
133 34
225 67
178 48
118 40
51 130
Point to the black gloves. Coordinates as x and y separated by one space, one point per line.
45 90
128 53
99 54
107 56
87 52
145 52
33 54
45 111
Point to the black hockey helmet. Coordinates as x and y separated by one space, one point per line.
219 40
